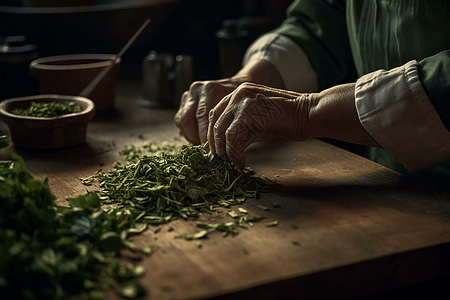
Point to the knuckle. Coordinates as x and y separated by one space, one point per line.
243 91
184 98
216 128
179 117
202 111
208 84
230 134
210 87
195 85
211 114
245 86
176 119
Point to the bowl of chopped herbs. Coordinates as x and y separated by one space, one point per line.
47 121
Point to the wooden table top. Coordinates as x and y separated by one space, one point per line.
347 227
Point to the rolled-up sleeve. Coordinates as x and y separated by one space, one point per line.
288 58
395 109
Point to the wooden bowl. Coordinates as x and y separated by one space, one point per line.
70 74
47 133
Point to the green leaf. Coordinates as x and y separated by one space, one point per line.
4 141
49 257
110 241
198 235
89 200
135 270
131 290
233 214
271 224
148 249
138 229
242 210
263 207
83 226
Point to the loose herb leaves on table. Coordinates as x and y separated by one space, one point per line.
163 183
50 252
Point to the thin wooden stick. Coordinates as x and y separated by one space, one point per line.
91 86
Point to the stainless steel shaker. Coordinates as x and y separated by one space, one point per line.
163 83
155 85
184 76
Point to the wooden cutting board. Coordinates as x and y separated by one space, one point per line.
347 227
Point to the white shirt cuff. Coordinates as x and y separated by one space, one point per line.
289 59
394 108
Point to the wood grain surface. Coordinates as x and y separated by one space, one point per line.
347 227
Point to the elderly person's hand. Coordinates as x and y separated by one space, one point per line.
195 104
253 112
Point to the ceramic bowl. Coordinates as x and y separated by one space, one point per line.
47 133
70 74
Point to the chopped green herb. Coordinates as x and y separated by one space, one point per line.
131 290
149 249
242 210
233 214
271 224
196 236
4 141
230 227
263 207
48 109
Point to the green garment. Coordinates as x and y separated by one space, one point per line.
347 39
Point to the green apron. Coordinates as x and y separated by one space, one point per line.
347 39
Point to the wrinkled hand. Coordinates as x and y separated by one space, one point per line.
252 113
192 116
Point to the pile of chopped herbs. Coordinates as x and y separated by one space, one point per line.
51 252
162 183
47 109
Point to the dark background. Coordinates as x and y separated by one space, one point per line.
104 26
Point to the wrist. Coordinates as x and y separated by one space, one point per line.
333 114
260 72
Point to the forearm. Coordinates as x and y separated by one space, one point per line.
333 114
289 61
260 72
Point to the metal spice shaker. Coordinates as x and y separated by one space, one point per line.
184 76
233 41
155 86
